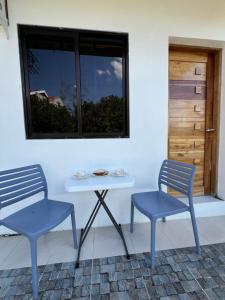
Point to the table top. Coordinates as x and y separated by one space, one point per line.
97 183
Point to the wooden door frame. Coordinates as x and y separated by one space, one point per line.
214 72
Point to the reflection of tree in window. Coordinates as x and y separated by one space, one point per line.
104 116
33 62
53 107
67 94
102 94
48 117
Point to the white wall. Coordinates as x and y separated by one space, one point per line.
149 23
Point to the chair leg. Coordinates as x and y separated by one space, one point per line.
74 229
194 225
153 229
132 218
33 248
164 219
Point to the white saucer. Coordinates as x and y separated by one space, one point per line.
118 175
81 177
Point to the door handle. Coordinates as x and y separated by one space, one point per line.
210 129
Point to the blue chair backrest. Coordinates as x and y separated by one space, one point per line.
178 176
21 183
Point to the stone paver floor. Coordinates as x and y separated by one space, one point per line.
180 274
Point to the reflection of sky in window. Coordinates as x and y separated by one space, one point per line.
55 74
101 76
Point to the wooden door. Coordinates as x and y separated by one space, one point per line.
189 113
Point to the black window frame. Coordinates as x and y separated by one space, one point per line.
75 33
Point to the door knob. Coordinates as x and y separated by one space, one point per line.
210 129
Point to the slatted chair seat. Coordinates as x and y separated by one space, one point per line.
38 218
158 204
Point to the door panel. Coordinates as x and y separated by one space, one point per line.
187 111
186 128
181 144
182 70
194 101
190 90
193 56
195 157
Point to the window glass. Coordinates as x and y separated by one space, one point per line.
102 92
51 71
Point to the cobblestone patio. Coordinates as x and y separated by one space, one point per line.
180 274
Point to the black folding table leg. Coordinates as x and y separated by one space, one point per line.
93 215
79 249
84 232
118 227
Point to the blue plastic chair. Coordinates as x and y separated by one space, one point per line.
36 219
158 204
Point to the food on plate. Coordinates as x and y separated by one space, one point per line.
100 172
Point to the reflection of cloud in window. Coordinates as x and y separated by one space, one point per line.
106 72
117 66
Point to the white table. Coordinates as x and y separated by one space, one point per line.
100 185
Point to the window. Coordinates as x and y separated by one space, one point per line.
75 83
